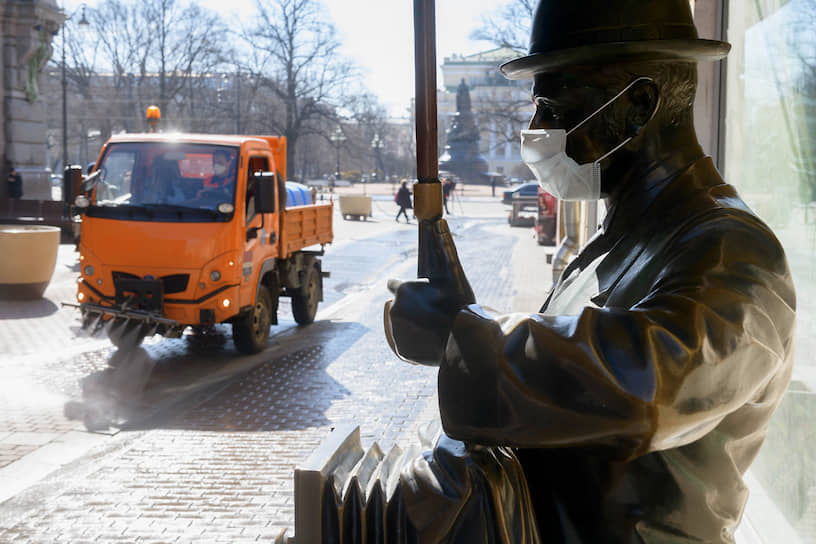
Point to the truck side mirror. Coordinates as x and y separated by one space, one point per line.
265 192
71 182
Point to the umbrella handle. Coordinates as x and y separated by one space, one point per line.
428 189
425 92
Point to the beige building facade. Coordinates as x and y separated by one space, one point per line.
501 106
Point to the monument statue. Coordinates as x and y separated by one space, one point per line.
462 157
462 97
628 408
35 61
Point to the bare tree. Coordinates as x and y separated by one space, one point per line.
802 44
123 45
301 65
141 52
284 76
182 41
371 122
79 61
76 75
508 26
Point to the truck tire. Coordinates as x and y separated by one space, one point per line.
126 335
304 303
250 331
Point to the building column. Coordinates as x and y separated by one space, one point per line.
26 30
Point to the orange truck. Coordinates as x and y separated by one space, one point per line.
182 230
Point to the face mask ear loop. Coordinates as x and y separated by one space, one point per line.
596 112
605 155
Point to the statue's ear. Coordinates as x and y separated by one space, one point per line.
644 100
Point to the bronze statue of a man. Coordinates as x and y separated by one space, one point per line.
640 393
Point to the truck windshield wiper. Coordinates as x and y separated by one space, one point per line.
181 209
130 207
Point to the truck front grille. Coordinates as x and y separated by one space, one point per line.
174 283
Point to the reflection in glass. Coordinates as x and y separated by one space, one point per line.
770 156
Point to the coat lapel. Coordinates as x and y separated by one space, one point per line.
652 223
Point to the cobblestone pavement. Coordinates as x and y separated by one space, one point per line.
218 466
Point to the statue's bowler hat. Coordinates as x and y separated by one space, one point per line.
575 32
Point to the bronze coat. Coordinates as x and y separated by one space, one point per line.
635 419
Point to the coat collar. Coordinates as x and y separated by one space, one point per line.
650 217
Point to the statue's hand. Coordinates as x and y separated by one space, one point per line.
418 320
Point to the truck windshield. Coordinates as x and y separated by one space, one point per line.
159 178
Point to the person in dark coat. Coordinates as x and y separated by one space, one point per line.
15 182
403 200
637 397
448 187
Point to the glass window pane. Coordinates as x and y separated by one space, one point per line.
770 155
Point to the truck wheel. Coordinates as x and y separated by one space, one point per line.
304 304
250 331
126 335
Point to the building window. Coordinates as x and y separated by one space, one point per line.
770 156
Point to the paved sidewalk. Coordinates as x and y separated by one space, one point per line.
43 326
221 468
36 340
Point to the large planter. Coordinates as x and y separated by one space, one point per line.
355 206
28 255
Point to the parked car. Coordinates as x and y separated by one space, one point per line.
523 202
529 189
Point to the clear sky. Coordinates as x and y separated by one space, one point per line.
378 35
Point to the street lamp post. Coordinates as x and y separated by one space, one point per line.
338 138
83 22
377 144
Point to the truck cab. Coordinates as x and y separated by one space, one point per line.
186 230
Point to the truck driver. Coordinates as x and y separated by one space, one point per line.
223 176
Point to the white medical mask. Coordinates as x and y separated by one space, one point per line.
544 152
219 169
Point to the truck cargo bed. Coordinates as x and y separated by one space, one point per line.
304 226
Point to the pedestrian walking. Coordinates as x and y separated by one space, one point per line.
15 182
447 189
403 200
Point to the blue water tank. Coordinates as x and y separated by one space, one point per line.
297 194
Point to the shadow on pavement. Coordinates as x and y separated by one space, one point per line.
27 309
214 387
291 391
113 396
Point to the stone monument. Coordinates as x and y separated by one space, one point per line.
461 157
27 28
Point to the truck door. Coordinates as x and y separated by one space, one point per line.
261 232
